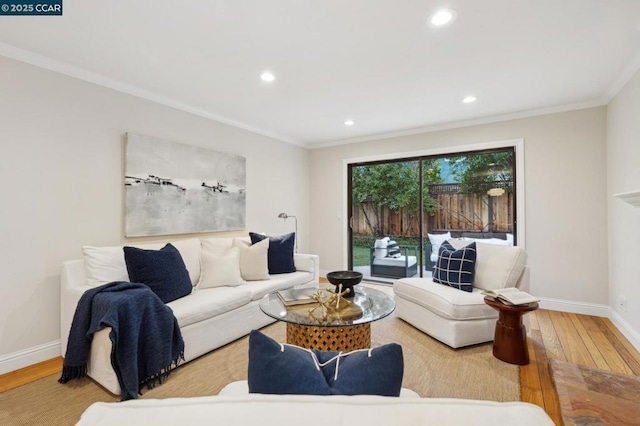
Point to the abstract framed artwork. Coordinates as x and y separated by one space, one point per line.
172 188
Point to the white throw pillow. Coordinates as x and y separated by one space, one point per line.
497 266
218 245
104 265
220 270
438 239
254 261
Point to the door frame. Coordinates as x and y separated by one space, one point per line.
516 144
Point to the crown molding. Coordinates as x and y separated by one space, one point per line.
627 73
632 198
100 80
465 123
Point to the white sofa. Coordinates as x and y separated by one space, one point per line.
208 318
282 410
455 317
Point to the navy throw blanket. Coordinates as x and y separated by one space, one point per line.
145 335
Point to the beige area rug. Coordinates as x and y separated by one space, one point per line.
431 368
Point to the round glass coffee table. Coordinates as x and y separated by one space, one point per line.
346 330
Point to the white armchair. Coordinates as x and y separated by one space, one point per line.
458 318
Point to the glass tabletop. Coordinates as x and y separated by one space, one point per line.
375 305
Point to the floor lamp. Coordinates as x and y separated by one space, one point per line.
285 217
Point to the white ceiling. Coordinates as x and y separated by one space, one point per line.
376 62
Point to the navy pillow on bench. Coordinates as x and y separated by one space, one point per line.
276 368
162 270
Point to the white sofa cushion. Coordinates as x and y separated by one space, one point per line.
254 259
277 282
241 387
447 302
313 410
207 303
497 266
220 270
106 264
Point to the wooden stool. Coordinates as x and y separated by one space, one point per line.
510 339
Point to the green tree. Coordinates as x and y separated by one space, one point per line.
478 173
394 186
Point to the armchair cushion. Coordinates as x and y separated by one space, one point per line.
456 268
497 266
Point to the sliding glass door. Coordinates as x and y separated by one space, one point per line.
402 210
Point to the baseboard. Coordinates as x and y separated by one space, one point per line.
27 357
574 307
625 328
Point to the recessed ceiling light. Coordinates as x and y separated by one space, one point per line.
349 123
442 17
267 76
469 99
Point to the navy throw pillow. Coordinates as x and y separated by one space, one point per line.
456 268
276 368
280 254
162 270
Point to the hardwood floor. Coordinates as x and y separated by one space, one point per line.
30 374
580 339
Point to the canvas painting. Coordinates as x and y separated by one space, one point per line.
172 188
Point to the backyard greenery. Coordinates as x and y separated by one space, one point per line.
394 185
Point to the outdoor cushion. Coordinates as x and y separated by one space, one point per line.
381 247
393 249
395 261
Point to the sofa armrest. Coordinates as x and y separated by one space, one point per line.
72 285
308 263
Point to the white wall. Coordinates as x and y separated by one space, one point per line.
61 174
623 175
565 190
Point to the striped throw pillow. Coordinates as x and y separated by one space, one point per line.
394 249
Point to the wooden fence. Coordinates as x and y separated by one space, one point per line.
456 212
